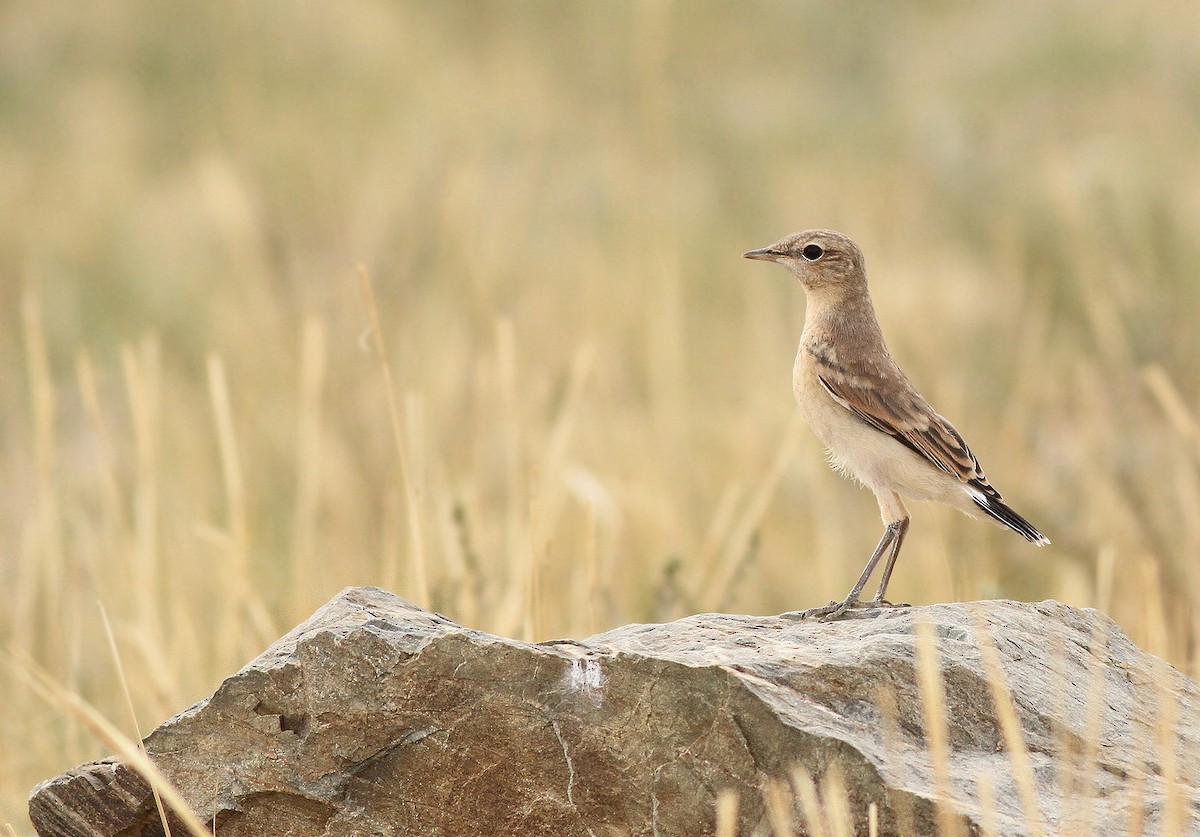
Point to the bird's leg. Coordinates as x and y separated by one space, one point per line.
834 610
879 600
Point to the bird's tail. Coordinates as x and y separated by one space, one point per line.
996 510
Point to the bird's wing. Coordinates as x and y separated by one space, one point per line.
892 406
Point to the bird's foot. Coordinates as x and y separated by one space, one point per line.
881 603
836 610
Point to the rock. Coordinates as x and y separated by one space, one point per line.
378 717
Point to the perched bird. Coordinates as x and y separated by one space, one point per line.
876 426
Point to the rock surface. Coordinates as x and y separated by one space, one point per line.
378 717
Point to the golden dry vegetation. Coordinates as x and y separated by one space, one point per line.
590 419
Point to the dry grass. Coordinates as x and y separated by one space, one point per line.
591 400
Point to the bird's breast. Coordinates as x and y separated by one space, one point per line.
833 424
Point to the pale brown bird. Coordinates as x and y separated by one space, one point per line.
876 426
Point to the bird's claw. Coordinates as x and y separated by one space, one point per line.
836 610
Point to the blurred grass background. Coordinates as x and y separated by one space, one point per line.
592 389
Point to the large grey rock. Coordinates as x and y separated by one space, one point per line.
378 717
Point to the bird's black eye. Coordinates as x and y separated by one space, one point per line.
812 252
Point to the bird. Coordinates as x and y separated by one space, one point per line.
874 424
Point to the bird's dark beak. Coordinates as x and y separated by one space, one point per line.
764 253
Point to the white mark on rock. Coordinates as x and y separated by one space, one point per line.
654 799
415 735
586 676
562 742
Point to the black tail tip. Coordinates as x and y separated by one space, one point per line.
1002 514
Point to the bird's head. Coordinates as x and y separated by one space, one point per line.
818 258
